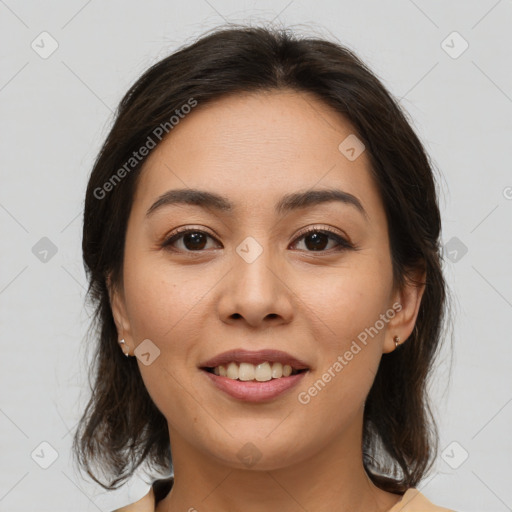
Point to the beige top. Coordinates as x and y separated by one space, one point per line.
412 501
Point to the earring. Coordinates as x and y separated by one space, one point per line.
122 342
396 339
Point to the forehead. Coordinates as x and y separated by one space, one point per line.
255 148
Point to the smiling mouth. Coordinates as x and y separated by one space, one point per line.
262 372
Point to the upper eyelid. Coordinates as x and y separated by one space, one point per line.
320 227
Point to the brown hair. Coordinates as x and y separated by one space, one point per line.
121 427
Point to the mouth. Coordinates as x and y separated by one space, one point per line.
261 365
254 376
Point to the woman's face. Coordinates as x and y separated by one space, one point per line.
254 277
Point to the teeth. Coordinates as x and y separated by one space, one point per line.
277 370
246 371
232 372
261 372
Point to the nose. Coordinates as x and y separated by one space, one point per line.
255 292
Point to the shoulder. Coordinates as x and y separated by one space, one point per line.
414 501
145 504
157 492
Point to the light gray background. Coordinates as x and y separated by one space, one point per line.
55 113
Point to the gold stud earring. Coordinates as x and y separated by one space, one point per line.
396 339
122 342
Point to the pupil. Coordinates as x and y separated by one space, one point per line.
317 241
196 240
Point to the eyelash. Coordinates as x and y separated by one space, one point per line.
343 244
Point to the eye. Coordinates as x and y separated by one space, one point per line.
316 239
193 240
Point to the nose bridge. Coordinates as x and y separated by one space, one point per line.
252 266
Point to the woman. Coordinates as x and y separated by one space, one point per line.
261 235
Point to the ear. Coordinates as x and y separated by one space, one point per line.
406 304
118 307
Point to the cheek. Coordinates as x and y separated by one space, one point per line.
351 299
159 296
162 307
164 304
349 333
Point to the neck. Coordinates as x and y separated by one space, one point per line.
333 479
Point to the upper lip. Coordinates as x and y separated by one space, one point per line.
254 357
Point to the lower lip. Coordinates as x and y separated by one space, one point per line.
254 391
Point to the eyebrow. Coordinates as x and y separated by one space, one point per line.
288 203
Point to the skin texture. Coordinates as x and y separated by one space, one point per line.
194 304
